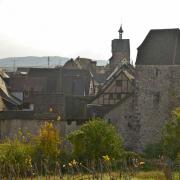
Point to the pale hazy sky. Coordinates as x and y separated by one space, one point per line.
72 28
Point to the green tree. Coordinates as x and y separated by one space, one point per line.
95 139
171 136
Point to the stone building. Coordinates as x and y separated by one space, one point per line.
155 91
59 95
157 83
59 89
137 100
48 93
118 86
98 73
120 50
115 101
141 117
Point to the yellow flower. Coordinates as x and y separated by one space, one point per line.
70 165
142 163
135 165
64 165
58 118
50 109
74 162
106 158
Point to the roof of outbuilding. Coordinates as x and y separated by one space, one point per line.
160 47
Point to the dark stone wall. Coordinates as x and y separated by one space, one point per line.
157 94
122 117
44 101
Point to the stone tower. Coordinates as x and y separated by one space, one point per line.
120 50
157 83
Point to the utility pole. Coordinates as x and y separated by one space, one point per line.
48 61
14 65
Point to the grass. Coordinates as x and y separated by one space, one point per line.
150 175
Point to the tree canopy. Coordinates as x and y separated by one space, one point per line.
95 139
171 136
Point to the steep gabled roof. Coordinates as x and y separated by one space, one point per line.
128 71
160 47
4 93
3 74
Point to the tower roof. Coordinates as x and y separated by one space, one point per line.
121 30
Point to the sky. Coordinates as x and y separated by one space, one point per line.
84 28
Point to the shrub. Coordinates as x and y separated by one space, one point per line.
46 145
25 153
95 139
171 136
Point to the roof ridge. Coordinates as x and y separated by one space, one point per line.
167 29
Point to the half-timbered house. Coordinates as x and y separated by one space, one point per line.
118 85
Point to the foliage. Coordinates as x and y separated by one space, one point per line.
46 144
171 136
95 139
15 155
25 152
153 151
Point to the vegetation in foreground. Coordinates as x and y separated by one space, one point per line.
97 153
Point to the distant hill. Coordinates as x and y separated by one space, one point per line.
11 64
31 61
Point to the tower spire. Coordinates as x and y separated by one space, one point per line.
120 32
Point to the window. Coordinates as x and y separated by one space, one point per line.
119 83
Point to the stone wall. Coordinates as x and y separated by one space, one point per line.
9 128
157 93
122 118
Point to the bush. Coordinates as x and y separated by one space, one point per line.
46 146
171 136
95 139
